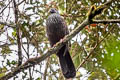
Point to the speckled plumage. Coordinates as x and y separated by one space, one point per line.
56 29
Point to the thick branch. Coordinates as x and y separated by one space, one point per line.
34 61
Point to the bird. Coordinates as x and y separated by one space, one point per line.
56 29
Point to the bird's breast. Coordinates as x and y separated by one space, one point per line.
55 28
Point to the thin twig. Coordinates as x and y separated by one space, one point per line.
10 44
21 2
45 72
94 21
91 52
8 14
7 24
107 21
5 7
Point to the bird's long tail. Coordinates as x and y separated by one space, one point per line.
66 63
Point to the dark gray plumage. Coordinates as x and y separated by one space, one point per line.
56 29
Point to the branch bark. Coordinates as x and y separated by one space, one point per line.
18 34
107 21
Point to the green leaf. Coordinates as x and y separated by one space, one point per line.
5 50
76 53
111 60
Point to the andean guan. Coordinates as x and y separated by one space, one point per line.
56 29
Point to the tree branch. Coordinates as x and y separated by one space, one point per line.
33 61
8 44
7 24
47 64
107 21
18 34
91 52
5 7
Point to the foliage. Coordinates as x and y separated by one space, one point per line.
105 59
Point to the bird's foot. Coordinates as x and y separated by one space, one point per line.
61 40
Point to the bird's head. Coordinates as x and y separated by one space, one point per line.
53 10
